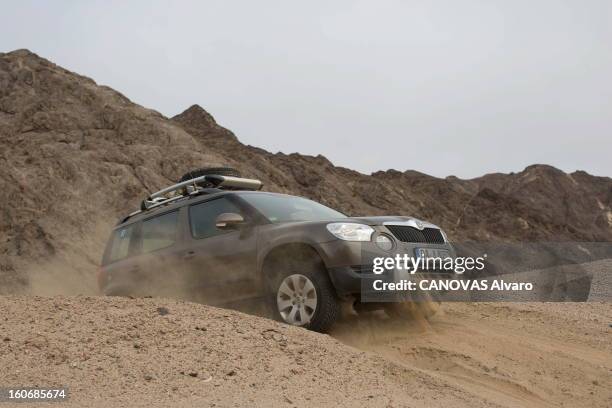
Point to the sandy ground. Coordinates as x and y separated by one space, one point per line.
507 354
114 352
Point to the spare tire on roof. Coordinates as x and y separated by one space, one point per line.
205 171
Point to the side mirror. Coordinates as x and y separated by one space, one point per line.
229 221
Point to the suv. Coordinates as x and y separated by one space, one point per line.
215 239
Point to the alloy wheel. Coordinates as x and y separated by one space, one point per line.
296 299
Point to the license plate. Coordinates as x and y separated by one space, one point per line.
431 253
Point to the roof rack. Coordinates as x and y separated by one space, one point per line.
190 188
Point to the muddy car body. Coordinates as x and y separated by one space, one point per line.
233 247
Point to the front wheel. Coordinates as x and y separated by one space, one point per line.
303 296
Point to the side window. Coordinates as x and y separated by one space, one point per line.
120 246
202 216
159 232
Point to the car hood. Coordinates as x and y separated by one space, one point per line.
372 221
315 231
392 219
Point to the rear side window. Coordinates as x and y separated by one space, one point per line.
120 247
159 232
202 216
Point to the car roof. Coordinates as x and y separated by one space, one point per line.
190 200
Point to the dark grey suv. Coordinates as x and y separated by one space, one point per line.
213 238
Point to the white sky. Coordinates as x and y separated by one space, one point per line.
443 87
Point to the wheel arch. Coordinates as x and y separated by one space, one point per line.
294 248
328 308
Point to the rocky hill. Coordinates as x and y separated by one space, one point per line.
75 156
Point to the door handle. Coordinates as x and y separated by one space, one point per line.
189 255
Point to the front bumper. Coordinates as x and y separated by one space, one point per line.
350 265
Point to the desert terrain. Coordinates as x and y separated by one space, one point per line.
114 352
76 156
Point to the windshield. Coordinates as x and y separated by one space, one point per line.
285 208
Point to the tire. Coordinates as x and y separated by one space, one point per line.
578 290
221 171
309 277
563 288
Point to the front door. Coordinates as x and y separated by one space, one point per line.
221 264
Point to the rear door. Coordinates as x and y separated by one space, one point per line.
159 259
120 263
221 264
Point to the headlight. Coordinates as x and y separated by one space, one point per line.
351 232
384 242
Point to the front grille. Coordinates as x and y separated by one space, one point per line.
410 234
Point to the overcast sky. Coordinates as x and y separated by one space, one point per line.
444 87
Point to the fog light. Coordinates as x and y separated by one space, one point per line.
384 242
